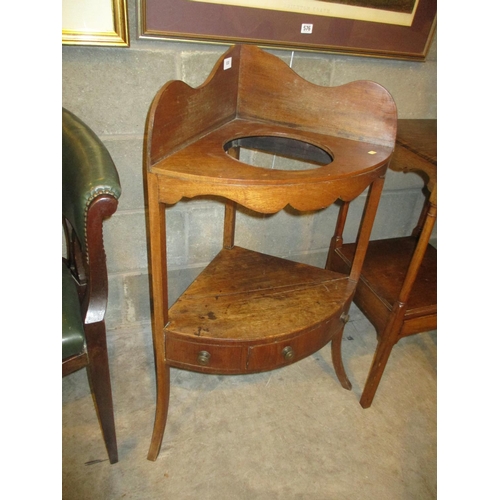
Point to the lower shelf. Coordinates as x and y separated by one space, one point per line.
384 270
250 312
385 267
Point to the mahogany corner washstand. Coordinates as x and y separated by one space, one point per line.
249 312
397 290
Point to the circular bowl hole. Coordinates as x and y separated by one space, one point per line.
278 153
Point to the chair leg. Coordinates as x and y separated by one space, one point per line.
100 382
162 399
338 364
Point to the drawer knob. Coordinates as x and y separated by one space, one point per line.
203 358
288 353
344 317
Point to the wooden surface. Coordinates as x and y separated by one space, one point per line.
393 256
246 298
188 128
420 137
397 290
249 89
416 151
249 312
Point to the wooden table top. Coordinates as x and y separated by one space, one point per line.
419 136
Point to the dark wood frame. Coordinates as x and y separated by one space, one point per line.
214 23
90 273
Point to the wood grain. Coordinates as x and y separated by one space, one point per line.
248 311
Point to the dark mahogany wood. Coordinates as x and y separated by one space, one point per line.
397 290
249 312
89 269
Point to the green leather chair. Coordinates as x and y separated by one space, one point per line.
90 192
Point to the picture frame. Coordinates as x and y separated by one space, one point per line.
278 24
95 22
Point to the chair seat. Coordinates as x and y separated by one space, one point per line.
73 336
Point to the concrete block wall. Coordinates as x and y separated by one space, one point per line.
111 90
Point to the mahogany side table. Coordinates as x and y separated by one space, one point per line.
398 285
247 311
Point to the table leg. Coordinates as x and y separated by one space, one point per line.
162 397
386 341
159 291
338 364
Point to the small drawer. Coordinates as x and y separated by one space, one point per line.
268 356
204 357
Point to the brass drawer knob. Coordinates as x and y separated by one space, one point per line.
288 353
203 358
344 317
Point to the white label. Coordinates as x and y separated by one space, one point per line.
227 62
307 29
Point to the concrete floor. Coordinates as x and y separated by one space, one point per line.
292 433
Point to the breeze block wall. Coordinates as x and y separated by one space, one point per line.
111 90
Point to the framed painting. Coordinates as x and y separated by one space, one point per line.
95 22
400 29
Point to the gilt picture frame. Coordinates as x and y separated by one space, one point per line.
95 22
